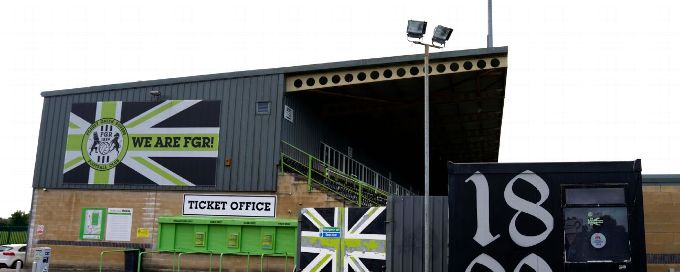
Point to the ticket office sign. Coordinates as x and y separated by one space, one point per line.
230 205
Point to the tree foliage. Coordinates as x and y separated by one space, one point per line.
18 218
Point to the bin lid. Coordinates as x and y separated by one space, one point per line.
238 221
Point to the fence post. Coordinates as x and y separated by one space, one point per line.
360 194
309 173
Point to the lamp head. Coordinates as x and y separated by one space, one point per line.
441 34
416 29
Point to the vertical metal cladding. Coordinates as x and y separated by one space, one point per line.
405 233
308 131
249 140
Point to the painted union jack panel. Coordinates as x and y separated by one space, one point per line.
342 239
173 142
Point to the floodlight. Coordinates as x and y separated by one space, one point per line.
441 34
416 29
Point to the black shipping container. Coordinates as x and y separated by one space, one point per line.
583 216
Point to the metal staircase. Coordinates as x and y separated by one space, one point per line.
323 176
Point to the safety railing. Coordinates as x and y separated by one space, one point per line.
177 256
322 175
349 166
101 256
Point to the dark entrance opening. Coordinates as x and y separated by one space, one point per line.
382 122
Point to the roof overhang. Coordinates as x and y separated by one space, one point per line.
467 94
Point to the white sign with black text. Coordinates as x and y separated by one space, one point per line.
230 205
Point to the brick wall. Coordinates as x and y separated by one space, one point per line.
60 210
662 227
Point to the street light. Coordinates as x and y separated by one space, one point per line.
441 35
416 30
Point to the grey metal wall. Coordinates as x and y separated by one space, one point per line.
251 141
405 233
308 131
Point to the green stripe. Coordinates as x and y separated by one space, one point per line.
153 113
108 109
316 220
354 260
101 177
72 125
370 212
318 265
121 213
174 142
72 162
339 254
73 142
159 171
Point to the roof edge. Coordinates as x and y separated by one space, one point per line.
282 70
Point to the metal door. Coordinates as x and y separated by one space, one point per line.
342 239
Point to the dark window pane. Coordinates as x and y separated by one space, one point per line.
595 196
596 234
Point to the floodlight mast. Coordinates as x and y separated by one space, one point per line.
416 29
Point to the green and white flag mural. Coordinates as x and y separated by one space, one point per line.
342 239
171 142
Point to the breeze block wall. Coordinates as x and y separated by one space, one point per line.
59 211
662 227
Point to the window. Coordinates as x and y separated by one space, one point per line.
22 249
596 225
595 196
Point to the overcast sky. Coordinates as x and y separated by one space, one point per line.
588 80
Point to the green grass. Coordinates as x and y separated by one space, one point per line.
15 237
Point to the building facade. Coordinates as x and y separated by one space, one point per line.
195 165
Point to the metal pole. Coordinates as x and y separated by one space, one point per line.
489 37
427 158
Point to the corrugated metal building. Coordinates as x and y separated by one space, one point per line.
350 129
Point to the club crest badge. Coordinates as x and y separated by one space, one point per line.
105 144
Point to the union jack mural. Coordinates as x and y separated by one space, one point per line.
342 239
173 142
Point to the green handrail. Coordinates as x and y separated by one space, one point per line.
139 260
285 264
236 254
179 258
362 186
101 255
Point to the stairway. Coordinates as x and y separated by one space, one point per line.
322 176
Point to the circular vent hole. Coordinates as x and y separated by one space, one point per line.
387 73
454 66
349 78
401 72
361 76
441 68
